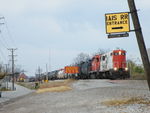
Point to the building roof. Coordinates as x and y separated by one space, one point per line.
22 75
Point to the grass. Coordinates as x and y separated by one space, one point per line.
137 76
29 85
54 89
5 89
56 86
133 100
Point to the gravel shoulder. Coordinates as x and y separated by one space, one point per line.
86 96
9 95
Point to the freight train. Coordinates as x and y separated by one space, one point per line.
110 65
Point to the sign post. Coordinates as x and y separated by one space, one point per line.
140 39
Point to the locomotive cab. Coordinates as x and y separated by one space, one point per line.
113 65
119 60
120 68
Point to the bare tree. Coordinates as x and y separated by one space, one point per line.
101 51
82 57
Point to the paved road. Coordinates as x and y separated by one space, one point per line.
20 91
86 97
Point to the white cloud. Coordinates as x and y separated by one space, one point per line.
143 4
21 6
12 7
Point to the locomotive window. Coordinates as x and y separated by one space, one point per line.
116 54
123 53
103 58
110 54
97 59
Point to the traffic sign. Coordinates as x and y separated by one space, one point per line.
117 23
118 35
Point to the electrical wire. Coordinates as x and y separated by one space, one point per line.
4 39
9 34
2 54
4 43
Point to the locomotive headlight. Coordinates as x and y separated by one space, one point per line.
115 69
119 52
126 69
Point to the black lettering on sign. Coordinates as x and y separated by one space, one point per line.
110 18
124 16
108 23
126 22
106 18
114 17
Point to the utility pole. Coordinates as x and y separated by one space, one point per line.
12 59
46 72
49 60
6 71
39 73
140 39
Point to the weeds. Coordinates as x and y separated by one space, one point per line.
133 100
56 86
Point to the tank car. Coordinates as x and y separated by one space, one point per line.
84 69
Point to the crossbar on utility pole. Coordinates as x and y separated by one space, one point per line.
140 39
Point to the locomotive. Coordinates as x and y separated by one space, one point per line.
111 65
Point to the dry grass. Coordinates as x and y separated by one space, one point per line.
5 89
54 89
56 86
137 76
29 85
2 75
134 100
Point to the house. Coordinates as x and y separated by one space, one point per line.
22 78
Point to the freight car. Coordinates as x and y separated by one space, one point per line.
71 71
84 69
52 75
60 74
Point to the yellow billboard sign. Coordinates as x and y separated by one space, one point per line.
117 23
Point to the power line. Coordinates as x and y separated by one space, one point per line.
9 34
2 54
0 32
4 39
3 44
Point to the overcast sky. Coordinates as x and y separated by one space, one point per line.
56 31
